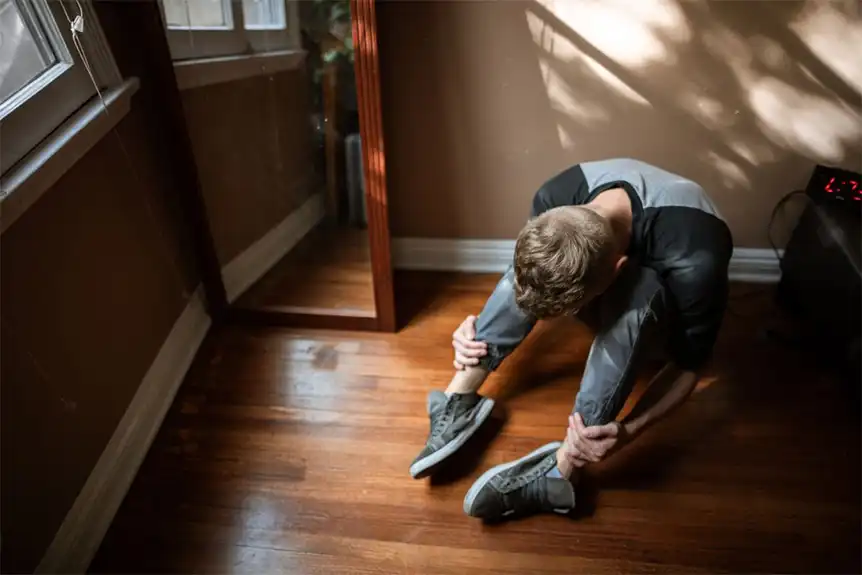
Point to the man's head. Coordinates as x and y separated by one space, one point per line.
564 258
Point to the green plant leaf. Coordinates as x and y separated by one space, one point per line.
340 13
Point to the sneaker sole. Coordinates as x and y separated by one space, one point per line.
420 468
488 475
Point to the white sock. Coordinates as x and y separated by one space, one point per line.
555 472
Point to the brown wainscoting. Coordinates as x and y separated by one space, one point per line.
136 35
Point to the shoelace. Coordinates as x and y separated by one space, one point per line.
526 479
526 498
442 418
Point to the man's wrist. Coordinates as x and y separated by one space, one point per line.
631 429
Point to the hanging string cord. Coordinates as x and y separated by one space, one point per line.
76 25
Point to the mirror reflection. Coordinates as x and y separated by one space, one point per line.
281 174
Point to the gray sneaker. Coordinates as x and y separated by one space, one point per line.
454 420
520 488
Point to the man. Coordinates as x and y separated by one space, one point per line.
639 254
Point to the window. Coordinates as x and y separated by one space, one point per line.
42 78
199 29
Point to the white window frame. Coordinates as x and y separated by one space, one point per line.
51 123
234 39
42 106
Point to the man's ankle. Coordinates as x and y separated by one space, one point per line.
467 381
565 467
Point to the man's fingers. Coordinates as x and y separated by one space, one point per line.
466 358
469 343
467 351
582 430
579 423
470 326
606 445
576 461
582 448
600 431
595 431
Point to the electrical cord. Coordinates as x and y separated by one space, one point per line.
778 256
775 212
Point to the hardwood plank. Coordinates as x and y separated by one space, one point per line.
287 451
329 269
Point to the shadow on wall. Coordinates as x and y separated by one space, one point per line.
485 101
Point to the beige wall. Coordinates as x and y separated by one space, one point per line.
254 151
92 282
483 101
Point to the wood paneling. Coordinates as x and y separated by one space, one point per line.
254 151
94 275
136 34
287 451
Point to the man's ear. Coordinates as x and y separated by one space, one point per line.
621 262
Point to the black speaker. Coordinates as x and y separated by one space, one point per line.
821 270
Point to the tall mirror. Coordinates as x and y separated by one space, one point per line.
287 139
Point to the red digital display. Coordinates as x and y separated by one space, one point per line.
844 187
836 186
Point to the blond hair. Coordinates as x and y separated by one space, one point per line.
561 258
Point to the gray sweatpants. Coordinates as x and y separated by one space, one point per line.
629 320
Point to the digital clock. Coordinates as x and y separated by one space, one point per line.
830 185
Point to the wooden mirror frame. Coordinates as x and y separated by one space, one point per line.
367 72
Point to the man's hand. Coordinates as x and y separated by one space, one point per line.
467 350
592 444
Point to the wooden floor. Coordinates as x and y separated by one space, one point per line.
287 452
328 271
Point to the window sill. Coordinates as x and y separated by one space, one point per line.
206 71
25 182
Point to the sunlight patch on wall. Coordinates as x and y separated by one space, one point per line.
565 139
732 175
754 153
819 127
559 47
613 81
708 111
809 124
833 36
564 101
728 47
631 33
770 53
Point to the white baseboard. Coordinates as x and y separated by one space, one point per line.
754 265
86 523
249 266
493 256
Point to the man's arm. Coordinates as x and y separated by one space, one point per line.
469 375
669 389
